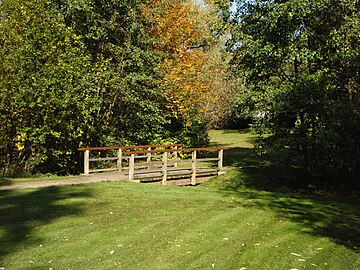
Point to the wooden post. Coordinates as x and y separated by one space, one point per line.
131 167
148 155
86 162
164 167
119 161
220 162
175 156
193 167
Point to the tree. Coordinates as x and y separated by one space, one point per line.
83 73
73 74
193 64
301 58
45 98
115 34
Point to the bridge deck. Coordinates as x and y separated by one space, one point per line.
94 178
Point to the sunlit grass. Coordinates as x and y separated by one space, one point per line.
133 226
230 222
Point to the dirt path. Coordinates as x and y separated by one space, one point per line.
76 180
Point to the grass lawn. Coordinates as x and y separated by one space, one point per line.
222 224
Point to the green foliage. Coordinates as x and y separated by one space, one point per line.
302 59
46 100
114 33
77 73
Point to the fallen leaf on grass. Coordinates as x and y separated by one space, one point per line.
319 248
112 252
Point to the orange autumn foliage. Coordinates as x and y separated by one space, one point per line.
184 60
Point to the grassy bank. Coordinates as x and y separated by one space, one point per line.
132 226
226 223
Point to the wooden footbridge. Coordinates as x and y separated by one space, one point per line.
164 164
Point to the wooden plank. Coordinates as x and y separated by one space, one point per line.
140 157
180 173
103 170
136 172
103 159
179 150
179 169
158 176
129 147
180 161
151 145
99 148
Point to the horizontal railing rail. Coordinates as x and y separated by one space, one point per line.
128 147
120 155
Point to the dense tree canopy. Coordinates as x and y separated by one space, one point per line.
189 39
299 62
77 73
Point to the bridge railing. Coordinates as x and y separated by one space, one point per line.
120 156
165 165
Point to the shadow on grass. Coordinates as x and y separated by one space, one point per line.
265 182
338 220
23 211
331 217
